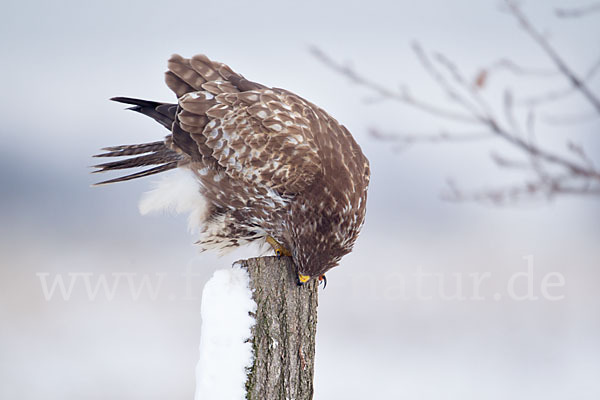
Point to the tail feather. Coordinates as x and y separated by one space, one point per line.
154 153
163 113
131 149
140 161
147 172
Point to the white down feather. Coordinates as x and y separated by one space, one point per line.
179 192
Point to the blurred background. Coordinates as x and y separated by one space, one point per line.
530 330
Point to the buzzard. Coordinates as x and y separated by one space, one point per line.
270 165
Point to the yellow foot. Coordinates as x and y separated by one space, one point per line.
279 249
302 279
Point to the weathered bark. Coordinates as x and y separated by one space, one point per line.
283 337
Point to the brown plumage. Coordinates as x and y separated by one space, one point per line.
267 162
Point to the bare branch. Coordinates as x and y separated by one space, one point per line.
510 195
442 136
558 61
403 96
550 173
530 125
405 140
508 135
504 162
509 112
443 82
577 12
561 93
462 82
496 128
579 151
537 152
484 74
509 65
571 119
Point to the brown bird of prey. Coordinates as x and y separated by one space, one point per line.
263 164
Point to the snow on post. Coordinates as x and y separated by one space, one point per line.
258 333
225 349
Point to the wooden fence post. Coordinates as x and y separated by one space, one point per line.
283 338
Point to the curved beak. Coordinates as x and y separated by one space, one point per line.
323 279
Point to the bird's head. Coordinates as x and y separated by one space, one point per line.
314 266
316 253
322 227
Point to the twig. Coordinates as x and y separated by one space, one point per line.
405 140
548 189
443 83
562 93
509 113
571 119
536 151
553 173
577 12
442 136
510 65
558 61
403 96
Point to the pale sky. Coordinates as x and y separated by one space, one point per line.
63 60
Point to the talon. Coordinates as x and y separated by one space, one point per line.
279 249
323 279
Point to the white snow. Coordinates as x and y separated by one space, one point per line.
177 191
225 352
